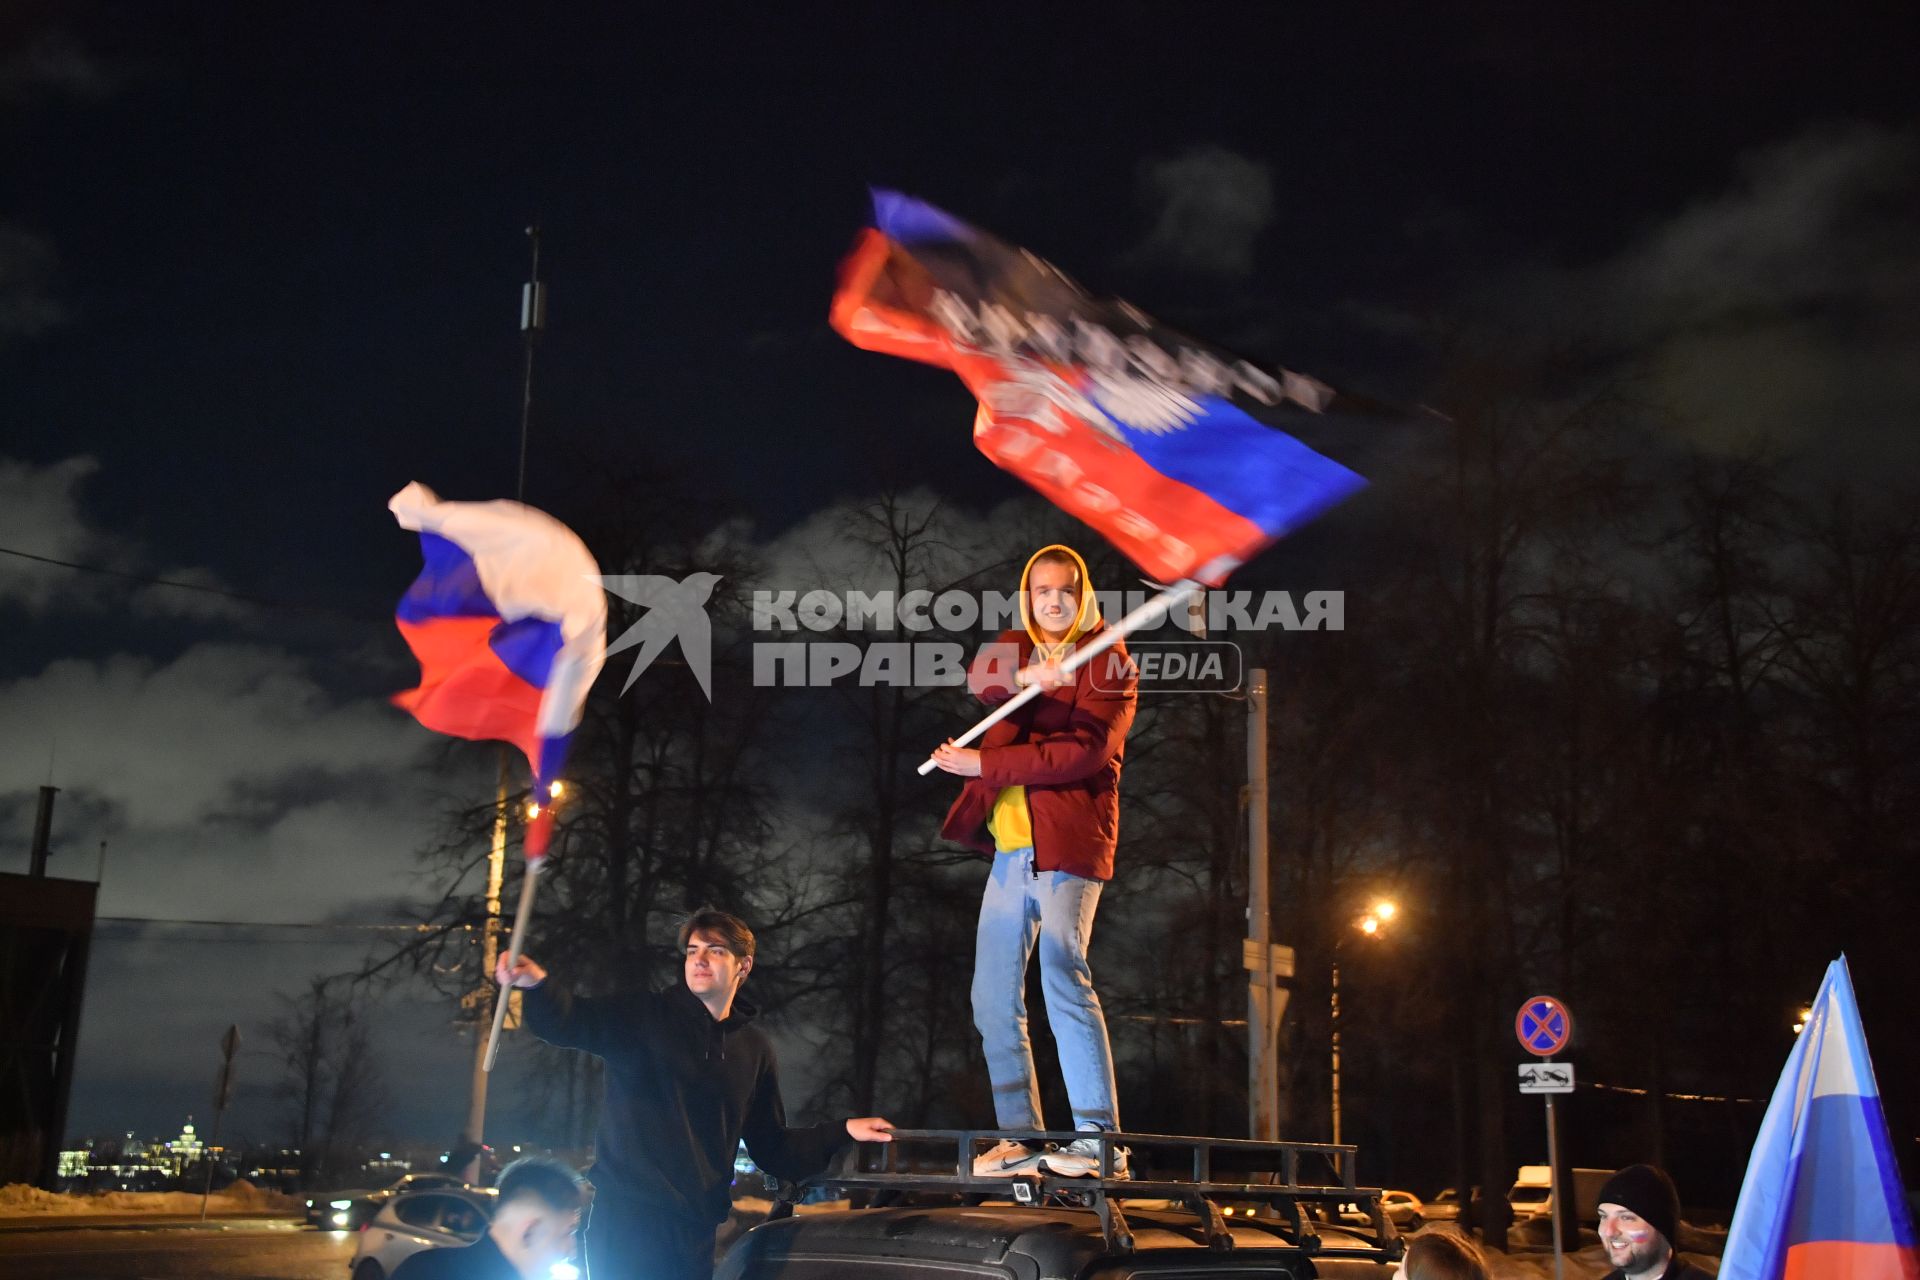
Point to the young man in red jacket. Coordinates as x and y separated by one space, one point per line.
1042 798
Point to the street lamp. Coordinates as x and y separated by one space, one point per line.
1370 925
555 791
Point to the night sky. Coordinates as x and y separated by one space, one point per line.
260 267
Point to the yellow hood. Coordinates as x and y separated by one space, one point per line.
1086 620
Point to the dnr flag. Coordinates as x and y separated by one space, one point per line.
1155 439
1822 1198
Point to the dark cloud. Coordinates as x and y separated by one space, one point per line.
223 781
226 780
1777 311
55 65
1209 206
1819 221
43 513
1782 310
28 265
203 980
40 513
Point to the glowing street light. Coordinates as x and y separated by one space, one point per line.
555 790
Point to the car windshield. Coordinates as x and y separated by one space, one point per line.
1529 1195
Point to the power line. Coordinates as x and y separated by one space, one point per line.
330 926
1677 1097
258 602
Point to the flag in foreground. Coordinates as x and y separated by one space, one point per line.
1157 440
510 626
1822 1199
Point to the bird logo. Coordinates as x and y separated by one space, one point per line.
675 611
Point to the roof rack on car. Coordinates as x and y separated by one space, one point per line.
1183 1170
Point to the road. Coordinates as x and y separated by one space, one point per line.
219 1251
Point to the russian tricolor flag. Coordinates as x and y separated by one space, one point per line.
1163 443
509 622
1822 1199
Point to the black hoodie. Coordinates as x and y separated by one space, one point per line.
682 1090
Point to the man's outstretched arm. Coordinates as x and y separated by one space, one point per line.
554 1013
797 1154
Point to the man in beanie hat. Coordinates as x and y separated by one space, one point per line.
1639 1217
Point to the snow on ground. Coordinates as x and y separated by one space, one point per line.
18 1200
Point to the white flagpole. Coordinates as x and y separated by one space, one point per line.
1146 614
528 884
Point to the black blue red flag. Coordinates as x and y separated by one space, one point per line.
1162 442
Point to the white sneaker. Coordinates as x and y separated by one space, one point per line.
1006 1159
1081 1159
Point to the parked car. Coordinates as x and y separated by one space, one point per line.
410 1221
1532 1193
329 1210
351 1210
935 1220
1402 1208
1012 1242
1444 1205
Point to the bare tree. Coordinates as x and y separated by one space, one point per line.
333 1082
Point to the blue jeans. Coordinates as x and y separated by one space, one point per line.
1056 910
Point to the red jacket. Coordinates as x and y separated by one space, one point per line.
1065 747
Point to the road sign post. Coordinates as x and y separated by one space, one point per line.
1543 1026
222 1095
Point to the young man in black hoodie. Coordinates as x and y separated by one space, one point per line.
687 1077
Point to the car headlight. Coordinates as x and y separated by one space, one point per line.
564 1271
341 1204
340 1219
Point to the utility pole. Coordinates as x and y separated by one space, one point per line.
533 321
1266 963
1334 1015
222 1095
42 846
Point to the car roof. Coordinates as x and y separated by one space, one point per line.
1060 1241
484 1197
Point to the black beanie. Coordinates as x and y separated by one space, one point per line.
1648 1192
